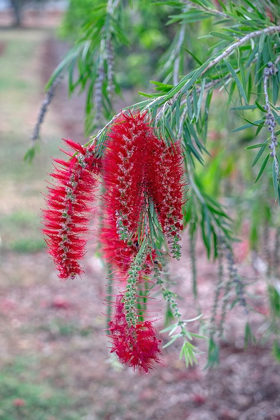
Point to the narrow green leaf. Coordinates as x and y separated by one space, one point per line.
239 85
275 89
170 327
262 168
199 336
260 152
261 42
222 36
249 336
174 338
260 107
200 99
255 146
243 108
193 56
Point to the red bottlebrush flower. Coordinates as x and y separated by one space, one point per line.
66 219
124 170
124 182
136 346
138 166
165 186
115 250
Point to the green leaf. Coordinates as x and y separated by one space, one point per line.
193 319
222 36
198 336
255 146
244 127
213 354
174 338
221 3
169 328
261 42
193 56
234 75
31 152
200 99
276 349
275 89
243 108
249 336
260 107
260 152
262 167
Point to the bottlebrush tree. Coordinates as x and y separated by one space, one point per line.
151 162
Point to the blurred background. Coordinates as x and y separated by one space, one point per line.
54 356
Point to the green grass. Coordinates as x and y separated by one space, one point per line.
40 400
22 182
26 245
20 232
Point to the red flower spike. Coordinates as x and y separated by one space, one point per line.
115 250
66 219
124 181
136 346
123 170
165 186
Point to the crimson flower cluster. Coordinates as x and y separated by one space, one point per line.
136 346
138 170
67 216
138 167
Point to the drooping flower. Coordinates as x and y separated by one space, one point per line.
123 171
137 346
67 216
124 182
139 167
165 186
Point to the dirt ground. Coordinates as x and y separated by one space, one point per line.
54 357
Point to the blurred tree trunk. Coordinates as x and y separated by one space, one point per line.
16 5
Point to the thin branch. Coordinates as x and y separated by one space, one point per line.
44 107
270 70
207 9
237 44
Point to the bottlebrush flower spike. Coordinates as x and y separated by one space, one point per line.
124 182
124 168
165 186
66 218
137 345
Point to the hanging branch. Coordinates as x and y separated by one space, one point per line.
44 107
270 122
217 288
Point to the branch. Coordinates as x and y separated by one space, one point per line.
207 9
270 122
44 107
237 44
